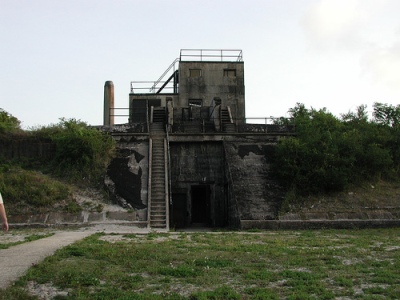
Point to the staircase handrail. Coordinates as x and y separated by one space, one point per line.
149 183
165 73
169 165
167 189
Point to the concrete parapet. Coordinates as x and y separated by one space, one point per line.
57 218
81 218
316 224
122 216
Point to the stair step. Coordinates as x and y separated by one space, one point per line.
159 222
158 226
158 210
159 217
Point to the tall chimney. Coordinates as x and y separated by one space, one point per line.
108 103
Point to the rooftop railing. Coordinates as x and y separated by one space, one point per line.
151 87
211 55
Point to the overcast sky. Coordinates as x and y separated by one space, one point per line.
55 55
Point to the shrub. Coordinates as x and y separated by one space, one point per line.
8 123
82 152
328 154
25 189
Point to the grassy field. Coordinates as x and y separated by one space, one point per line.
323 264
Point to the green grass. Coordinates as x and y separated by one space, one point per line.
324 264
32 192
9 242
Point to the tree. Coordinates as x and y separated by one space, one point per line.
82 152
386 114
8 123
328 154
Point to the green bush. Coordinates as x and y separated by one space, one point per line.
81 156
8 123
82 152
25 189
328 154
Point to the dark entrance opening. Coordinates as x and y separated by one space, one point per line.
200 195
179 210
140 108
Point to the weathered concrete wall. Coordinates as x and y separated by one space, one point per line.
19 147
229 189
127 174
212 84
257 194
200 163
132 218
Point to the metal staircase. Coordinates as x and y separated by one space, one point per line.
226 121
158 206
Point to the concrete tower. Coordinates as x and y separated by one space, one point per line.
108 103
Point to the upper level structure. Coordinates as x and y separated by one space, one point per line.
203 88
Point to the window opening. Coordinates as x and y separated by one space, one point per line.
195 73
230 73
195 102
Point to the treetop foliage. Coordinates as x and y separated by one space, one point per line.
82 152
329 153
8 123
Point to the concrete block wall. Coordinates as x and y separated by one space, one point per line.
17 147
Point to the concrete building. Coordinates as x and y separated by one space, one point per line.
188 156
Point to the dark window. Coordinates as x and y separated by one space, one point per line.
229 73
195 72
139 110
195 102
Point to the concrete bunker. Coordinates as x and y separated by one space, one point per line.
189 131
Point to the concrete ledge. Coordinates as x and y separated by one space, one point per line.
55 218
77 219
318 224
138 224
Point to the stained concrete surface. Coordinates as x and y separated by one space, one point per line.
16 260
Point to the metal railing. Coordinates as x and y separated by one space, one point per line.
206 125
154 86
150 87
172 66
211 55
246 125
260 120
